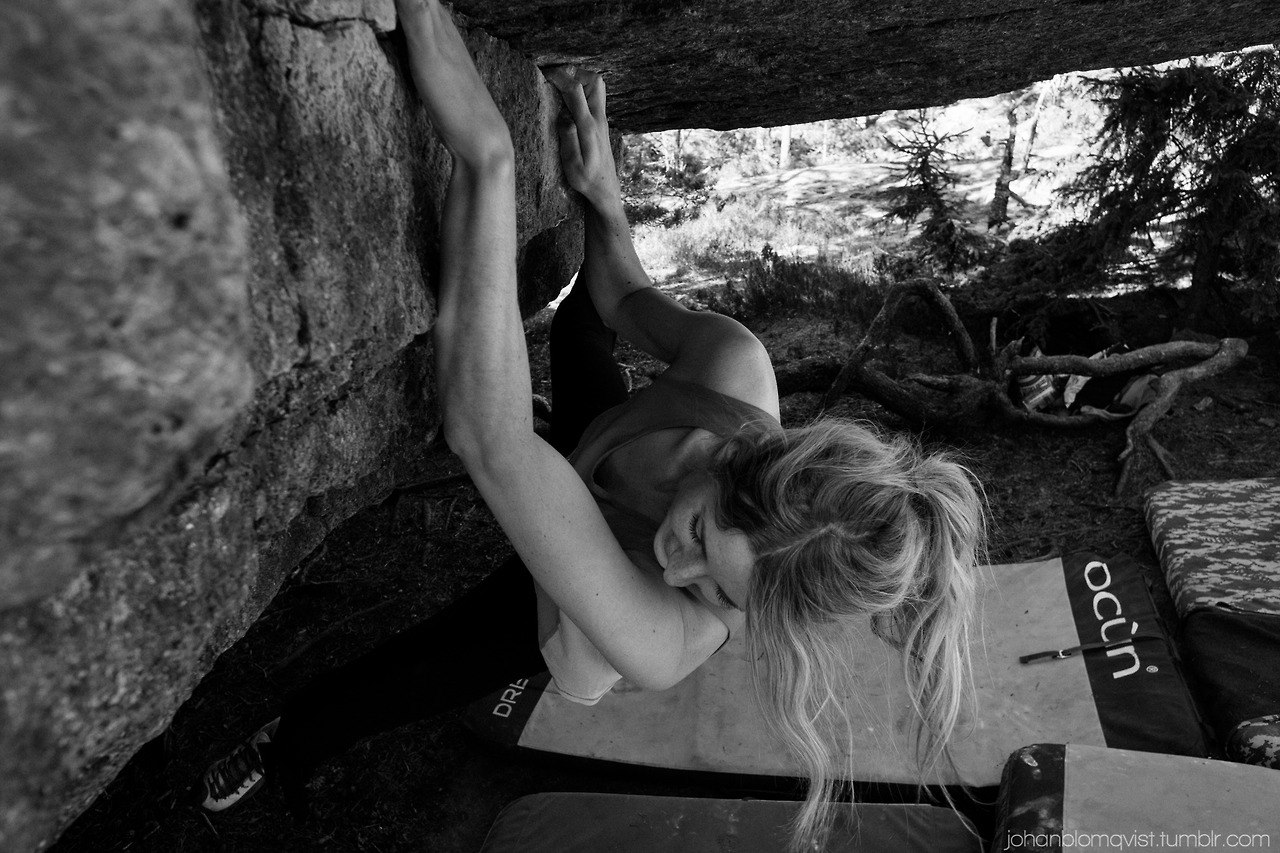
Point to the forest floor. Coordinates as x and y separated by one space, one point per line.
433 786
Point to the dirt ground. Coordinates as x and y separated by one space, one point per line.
432 786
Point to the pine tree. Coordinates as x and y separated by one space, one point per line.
1194 149
925 190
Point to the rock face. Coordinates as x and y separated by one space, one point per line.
124 261
216 237
215 250
708 63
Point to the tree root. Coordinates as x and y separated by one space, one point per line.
1227 354
979 392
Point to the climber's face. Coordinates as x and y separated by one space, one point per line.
699 555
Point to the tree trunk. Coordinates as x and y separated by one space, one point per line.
998 212
762 141
1035 122
641 150
1204 284
673 156
784 153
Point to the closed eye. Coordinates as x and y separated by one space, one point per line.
724 599
693 529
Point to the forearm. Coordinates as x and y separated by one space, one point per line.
482 364
610 266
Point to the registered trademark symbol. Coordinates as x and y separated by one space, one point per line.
1153 668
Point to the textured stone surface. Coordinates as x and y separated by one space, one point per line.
122 277
92 673
708 63
206 366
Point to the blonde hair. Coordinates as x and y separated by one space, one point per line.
848 523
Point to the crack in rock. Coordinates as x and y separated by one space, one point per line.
325 14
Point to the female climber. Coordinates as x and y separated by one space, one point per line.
681 516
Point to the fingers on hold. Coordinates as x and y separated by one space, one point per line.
593 84
595 97
579 88
561 76
576 100
570 147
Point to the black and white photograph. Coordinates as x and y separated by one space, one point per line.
619 426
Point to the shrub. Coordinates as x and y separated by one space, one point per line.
774 285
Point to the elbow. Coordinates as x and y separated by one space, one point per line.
651 673
461 440
475 453
467 438
491 157
667 656
651 679
487 451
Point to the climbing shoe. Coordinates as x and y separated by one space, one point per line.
229 780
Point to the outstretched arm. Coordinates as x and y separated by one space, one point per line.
700 346
649 632
482 364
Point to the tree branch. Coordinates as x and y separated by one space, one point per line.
859 353
964 344
924 398
1110 366
875 331
1226 355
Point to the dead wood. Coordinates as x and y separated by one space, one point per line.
1227 354
1151 356
814 373
980 392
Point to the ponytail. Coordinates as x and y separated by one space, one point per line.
848 524
933 626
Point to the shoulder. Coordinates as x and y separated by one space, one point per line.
725 356
702 347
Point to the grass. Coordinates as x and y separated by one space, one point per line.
774 285
758 257
726 236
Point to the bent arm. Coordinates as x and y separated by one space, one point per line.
702 346
651 633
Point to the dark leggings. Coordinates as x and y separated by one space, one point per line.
486 638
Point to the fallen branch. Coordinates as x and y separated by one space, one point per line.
814 373
854 362
1151 356
1014 413
329 631
979 391
1228 353
964 344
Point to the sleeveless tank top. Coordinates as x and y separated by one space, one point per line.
579 671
